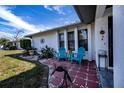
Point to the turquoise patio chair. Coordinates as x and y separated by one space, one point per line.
79 55
61 54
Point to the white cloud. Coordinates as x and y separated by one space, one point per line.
67 20
43 27
6 35
56 8
48 7
16 21
10 24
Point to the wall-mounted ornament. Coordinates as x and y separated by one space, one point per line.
102 32
42 41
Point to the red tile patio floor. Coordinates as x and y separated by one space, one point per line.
83 76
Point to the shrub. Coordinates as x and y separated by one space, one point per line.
47 52
12 47
25 44
4 41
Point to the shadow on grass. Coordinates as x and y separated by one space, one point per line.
34 78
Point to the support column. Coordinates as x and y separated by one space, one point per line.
31 41
57 39
89 43
65 40
76 38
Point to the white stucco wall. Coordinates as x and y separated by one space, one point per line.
118 45
50 40
101 23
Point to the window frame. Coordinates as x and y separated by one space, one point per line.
83 40
61 42
71 41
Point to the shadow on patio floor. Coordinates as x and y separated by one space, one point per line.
83 76
106 78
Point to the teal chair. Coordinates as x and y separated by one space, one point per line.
61 54
79 55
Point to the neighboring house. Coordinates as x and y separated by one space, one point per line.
18 45
15 43
95 33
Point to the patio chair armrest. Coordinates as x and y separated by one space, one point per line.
57 54
74 53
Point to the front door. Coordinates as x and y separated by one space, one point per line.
110 40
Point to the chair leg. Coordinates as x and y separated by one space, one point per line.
80 62
58 59
71 61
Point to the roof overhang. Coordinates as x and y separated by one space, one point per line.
55 29
100 11
86 13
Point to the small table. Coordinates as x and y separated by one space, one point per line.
69 54
104 56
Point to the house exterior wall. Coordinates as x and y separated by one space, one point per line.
101 23
51 39
118 45
75 29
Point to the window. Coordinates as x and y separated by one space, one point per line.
61 40
71 43
42 41
83 38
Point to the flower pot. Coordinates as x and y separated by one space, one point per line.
31 52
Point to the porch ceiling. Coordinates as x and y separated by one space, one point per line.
86 13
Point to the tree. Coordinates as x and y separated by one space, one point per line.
17 35
4 41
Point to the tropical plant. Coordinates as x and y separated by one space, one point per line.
12 48
47 52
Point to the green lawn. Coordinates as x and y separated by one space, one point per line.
19 73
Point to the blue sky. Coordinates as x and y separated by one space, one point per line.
34 18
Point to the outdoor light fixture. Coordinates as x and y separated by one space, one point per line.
102 32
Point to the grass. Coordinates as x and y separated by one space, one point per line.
19 73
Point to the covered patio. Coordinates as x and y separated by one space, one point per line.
83 76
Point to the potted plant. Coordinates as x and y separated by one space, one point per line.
47 52
31 52
70 54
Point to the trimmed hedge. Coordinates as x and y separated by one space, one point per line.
25 44
12 47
